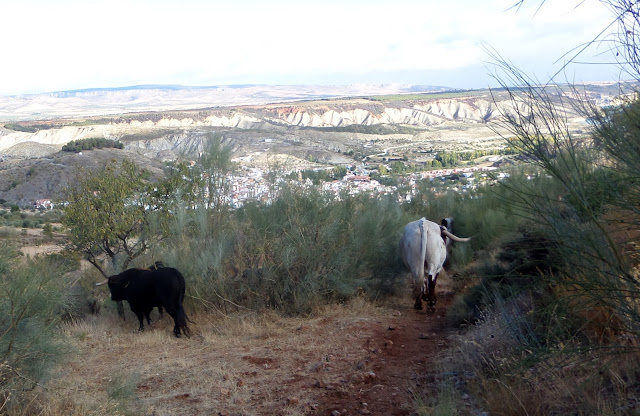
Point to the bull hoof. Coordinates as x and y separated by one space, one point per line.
417 306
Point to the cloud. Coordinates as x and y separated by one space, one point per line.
75 44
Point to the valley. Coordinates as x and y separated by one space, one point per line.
361 133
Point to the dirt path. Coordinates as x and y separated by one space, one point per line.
349 359
401 354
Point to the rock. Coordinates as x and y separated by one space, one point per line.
335 413
318 366
365 411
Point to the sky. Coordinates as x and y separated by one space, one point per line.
58 45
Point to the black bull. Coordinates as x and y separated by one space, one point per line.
145 289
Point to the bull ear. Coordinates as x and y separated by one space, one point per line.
103 282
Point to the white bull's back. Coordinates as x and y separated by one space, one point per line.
423 248
424 251
413 249
435 250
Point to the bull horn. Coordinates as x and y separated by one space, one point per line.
103 282
454 238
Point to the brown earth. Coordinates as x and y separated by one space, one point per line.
348 359
402 353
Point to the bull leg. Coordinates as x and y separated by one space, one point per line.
120 308
418 304
140 316
173 312
425 286
419 293
431 291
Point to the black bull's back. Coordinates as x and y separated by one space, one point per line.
145 289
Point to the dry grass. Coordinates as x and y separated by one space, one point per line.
252 364
507 378
585 386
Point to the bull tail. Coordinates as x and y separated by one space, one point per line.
181 321
453 237
423 250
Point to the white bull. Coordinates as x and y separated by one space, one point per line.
424 251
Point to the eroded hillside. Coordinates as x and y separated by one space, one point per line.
344 131
178 132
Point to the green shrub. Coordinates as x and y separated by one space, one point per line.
91 143
30 344
47 230
304 249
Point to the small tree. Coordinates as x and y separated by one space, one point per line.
47 230
214 167
106 214
33 296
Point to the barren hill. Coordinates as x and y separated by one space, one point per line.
335 130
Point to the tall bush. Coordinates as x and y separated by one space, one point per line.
567 290
32 302
591 200
303 249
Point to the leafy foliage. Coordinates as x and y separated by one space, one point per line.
91 143
578 317
304 249
106 214
19 127
318 176
32 300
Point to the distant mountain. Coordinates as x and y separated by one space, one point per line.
109 101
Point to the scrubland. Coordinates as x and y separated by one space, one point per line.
300 304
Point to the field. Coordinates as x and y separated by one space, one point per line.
359 357
298 305
355 358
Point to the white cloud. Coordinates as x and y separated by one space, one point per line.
78 44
